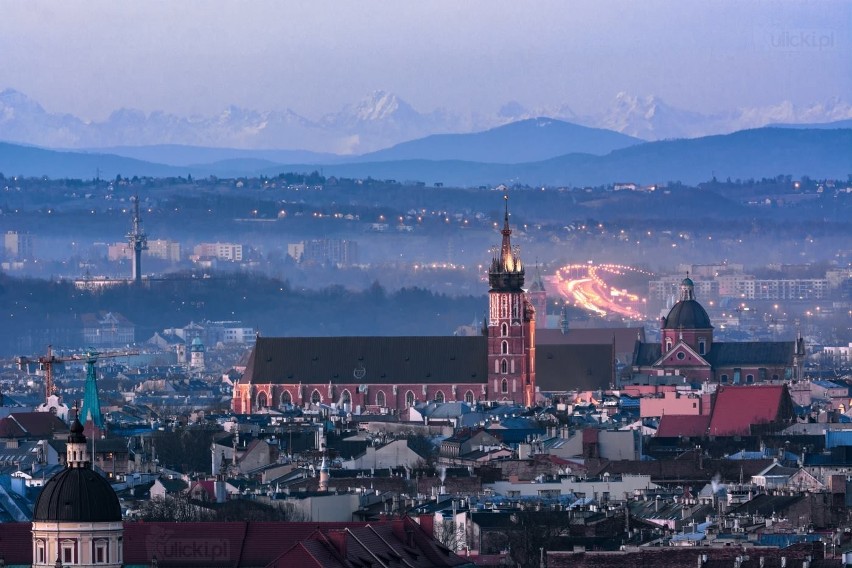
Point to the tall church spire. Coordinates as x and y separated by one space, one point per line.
507 271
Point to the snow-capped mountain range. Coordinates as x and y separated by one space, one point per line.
378 121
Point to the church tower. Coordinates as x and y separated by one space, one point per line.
511 326
538 297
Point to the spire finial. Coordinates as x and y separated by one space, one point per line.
506 215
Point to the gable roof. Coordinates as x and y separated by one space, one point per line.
752 353
690 426
32 425
695 359
737 408
384 360
728 354
574 367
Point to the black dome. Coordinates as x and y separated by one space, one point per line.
77 494
687 314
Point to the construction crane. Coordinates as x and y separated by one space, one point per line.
46 364
91 408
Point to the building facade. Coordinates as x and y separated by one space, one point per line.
687 349
381 374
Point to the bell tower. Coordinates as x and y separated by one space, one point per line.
511 326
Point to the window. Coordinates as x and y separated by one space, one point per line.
504 348
504 367
468 397
101 552
681 355
439 396
668 344
346 398
286 398
67 551
702 346
409 398
737 376
40 552
724 378
749 378
261 400
504 386
504 330
316 397
380 398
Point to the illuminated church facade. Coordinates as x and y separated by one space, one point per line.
388 374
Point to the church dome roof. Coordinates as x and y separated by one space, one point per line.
687 314
77 495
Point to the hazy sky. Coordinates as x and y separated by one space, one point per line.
92 57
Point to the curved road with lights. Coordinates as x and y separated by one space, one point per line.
589 286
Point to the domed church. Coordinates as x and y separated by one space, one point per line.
687 349
77 516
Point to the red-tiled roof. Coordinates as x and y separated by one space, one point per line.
220 545
737 408
690 426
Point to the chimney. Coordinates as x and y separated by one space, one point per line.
427 523
338 539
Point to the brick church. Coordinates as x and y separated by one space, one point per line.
687 349
378 374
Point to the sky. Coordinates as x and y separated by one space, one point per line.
92 57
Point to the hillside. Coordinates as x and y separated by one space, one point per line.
523 141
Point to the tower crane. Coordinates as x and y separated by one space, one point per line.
46 363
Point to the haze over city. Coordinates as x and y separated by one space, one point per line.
198 58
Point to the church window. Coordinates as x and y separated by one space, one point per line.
724 378
702 347
775 377
439 396
380 398
504 367
261 400
409 398
316 397
100 552
67 551
468 397
504 330
761 374
681 355
40 552
286 398
668 344
749 378
737 376
504 386
504 347
345 397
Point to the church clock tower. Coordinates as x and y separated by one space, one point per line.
511 326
